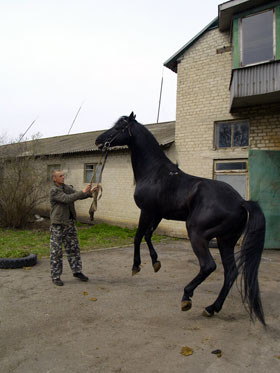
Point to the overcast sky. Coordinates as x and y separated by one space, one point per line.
107 56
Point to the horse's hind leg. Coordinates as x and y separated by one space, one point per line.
207 266
148 236
226 247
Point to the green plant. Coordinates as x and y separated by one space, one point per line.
15 242
21 185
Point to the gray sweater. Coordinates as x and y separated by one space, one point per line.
62 200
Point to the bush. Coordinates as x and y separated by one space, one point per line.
22 185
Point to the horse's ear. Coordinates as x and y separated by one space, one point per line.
132 116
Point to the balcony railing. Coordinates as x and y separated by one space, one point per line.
255 85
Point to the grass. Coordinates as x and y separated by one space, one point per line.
21 242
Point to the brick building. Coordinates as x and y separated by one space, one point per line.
228 103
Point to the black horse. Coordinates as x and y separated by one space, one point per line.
210 209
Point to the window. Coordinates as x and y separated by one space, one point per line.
231 134
233 166
233 172
257 38
92 170
51 168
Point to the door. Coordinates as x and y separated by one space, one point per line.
264 186
234 172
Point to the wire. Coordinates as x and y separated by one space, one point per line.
22 136
75 118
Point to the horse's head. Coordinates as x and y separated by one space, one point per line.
120 134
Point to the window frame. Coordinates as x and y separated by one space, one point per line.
273 40
230 171
94 164
233 172
231 123
237 35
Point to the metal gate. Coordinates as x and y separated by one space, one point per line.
264 186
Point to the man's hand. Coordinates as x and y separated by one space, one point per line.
95 189
87 188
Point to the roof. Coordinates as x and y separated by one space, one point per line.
228 9
223 21
82 142
172 62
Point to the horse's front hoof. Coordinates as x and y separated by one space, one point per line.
205 313
135 270
186 305
157 266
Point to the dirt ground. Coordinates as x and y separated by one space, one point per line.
119 323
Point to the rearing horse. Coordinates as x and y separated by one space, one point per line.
210 209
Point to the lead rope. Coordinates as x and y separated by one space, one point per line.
107 145
95 193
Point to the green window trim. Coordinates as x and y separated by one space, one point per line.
277 20
236 48
236 33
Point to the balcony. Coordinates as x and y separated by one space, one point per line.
255 85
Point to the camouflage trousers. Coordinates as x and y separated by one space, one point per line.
64 235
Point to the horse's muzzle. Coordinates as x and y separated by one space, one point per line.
100 146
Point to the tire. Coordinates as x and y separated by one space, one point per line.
11 263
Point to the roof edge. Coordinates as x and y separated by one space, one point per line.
172 62
40 150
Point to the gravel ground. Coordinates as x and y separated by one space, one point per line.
119 323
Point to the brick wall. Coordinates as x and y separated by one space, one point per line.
203 97
265 127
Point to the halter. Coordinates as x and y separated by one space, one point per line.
107 143
106 149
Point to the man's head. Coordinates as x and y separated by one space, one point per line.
58 177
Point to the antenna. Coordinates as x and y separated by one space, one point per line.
22 136
75 117
160 95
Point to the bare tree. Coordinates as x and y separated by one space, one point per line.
3 139
22 184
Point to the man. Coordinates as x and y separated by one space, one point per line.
63 229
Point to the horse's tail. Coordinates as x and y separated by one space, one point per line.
249 260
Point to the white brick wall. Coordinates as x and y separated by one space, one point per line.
203 97
117 204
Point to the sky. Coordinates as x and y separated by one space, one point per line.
104 57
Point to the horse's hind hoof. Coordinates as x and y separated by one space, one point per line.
135 270
157 266
205 313
186 305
